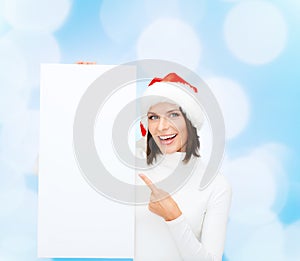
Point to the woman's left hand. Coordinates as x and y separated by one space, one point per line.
85 62
161 203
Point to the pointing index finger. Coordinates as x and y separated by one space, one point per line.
149 183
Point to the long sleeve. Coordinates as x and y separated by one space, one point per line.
210 245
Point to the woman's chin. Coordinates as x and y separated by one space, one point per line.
169 150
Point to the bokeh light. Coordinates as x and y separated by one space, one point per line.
254 172
34 49
12 188
233 102
36 15
251 35
170 39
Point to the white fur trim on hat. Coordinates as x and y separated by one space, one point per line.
177 93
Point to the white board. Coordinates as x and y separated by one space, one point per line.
73 219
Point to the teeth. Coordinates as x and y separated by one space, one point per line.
167 137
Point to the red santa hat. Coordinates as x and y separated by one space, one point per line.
172 88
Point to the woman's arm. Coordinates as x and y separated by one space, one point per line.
210 246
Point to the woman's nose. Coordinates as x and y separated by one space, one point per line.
163 124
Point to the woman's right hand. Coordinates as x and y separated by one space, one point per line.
161 203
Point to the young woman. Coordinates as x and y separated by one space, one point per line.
191 223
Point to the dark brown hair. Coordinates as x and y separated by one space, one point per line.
192 145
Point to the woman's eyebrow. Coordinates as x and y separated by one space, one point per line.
150 112
173 110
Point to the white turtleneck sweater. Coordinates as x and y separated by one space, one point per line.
199 233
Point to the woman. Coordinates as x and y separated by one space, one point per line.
191 223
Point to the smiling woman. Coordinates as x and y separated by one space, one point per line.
169 129
191 223
167 126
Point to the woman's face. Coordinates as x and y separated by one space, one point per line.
167 127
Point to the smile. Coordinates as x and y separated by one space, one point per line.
167 137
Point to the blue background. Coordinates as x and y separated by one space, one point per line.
211 39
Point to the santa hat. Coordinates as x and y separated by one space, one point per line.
172 88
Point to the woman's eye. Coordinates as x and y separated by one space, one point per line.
152 117
174 114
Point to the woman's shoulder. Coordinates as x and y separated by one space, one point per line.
220 181
219 187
